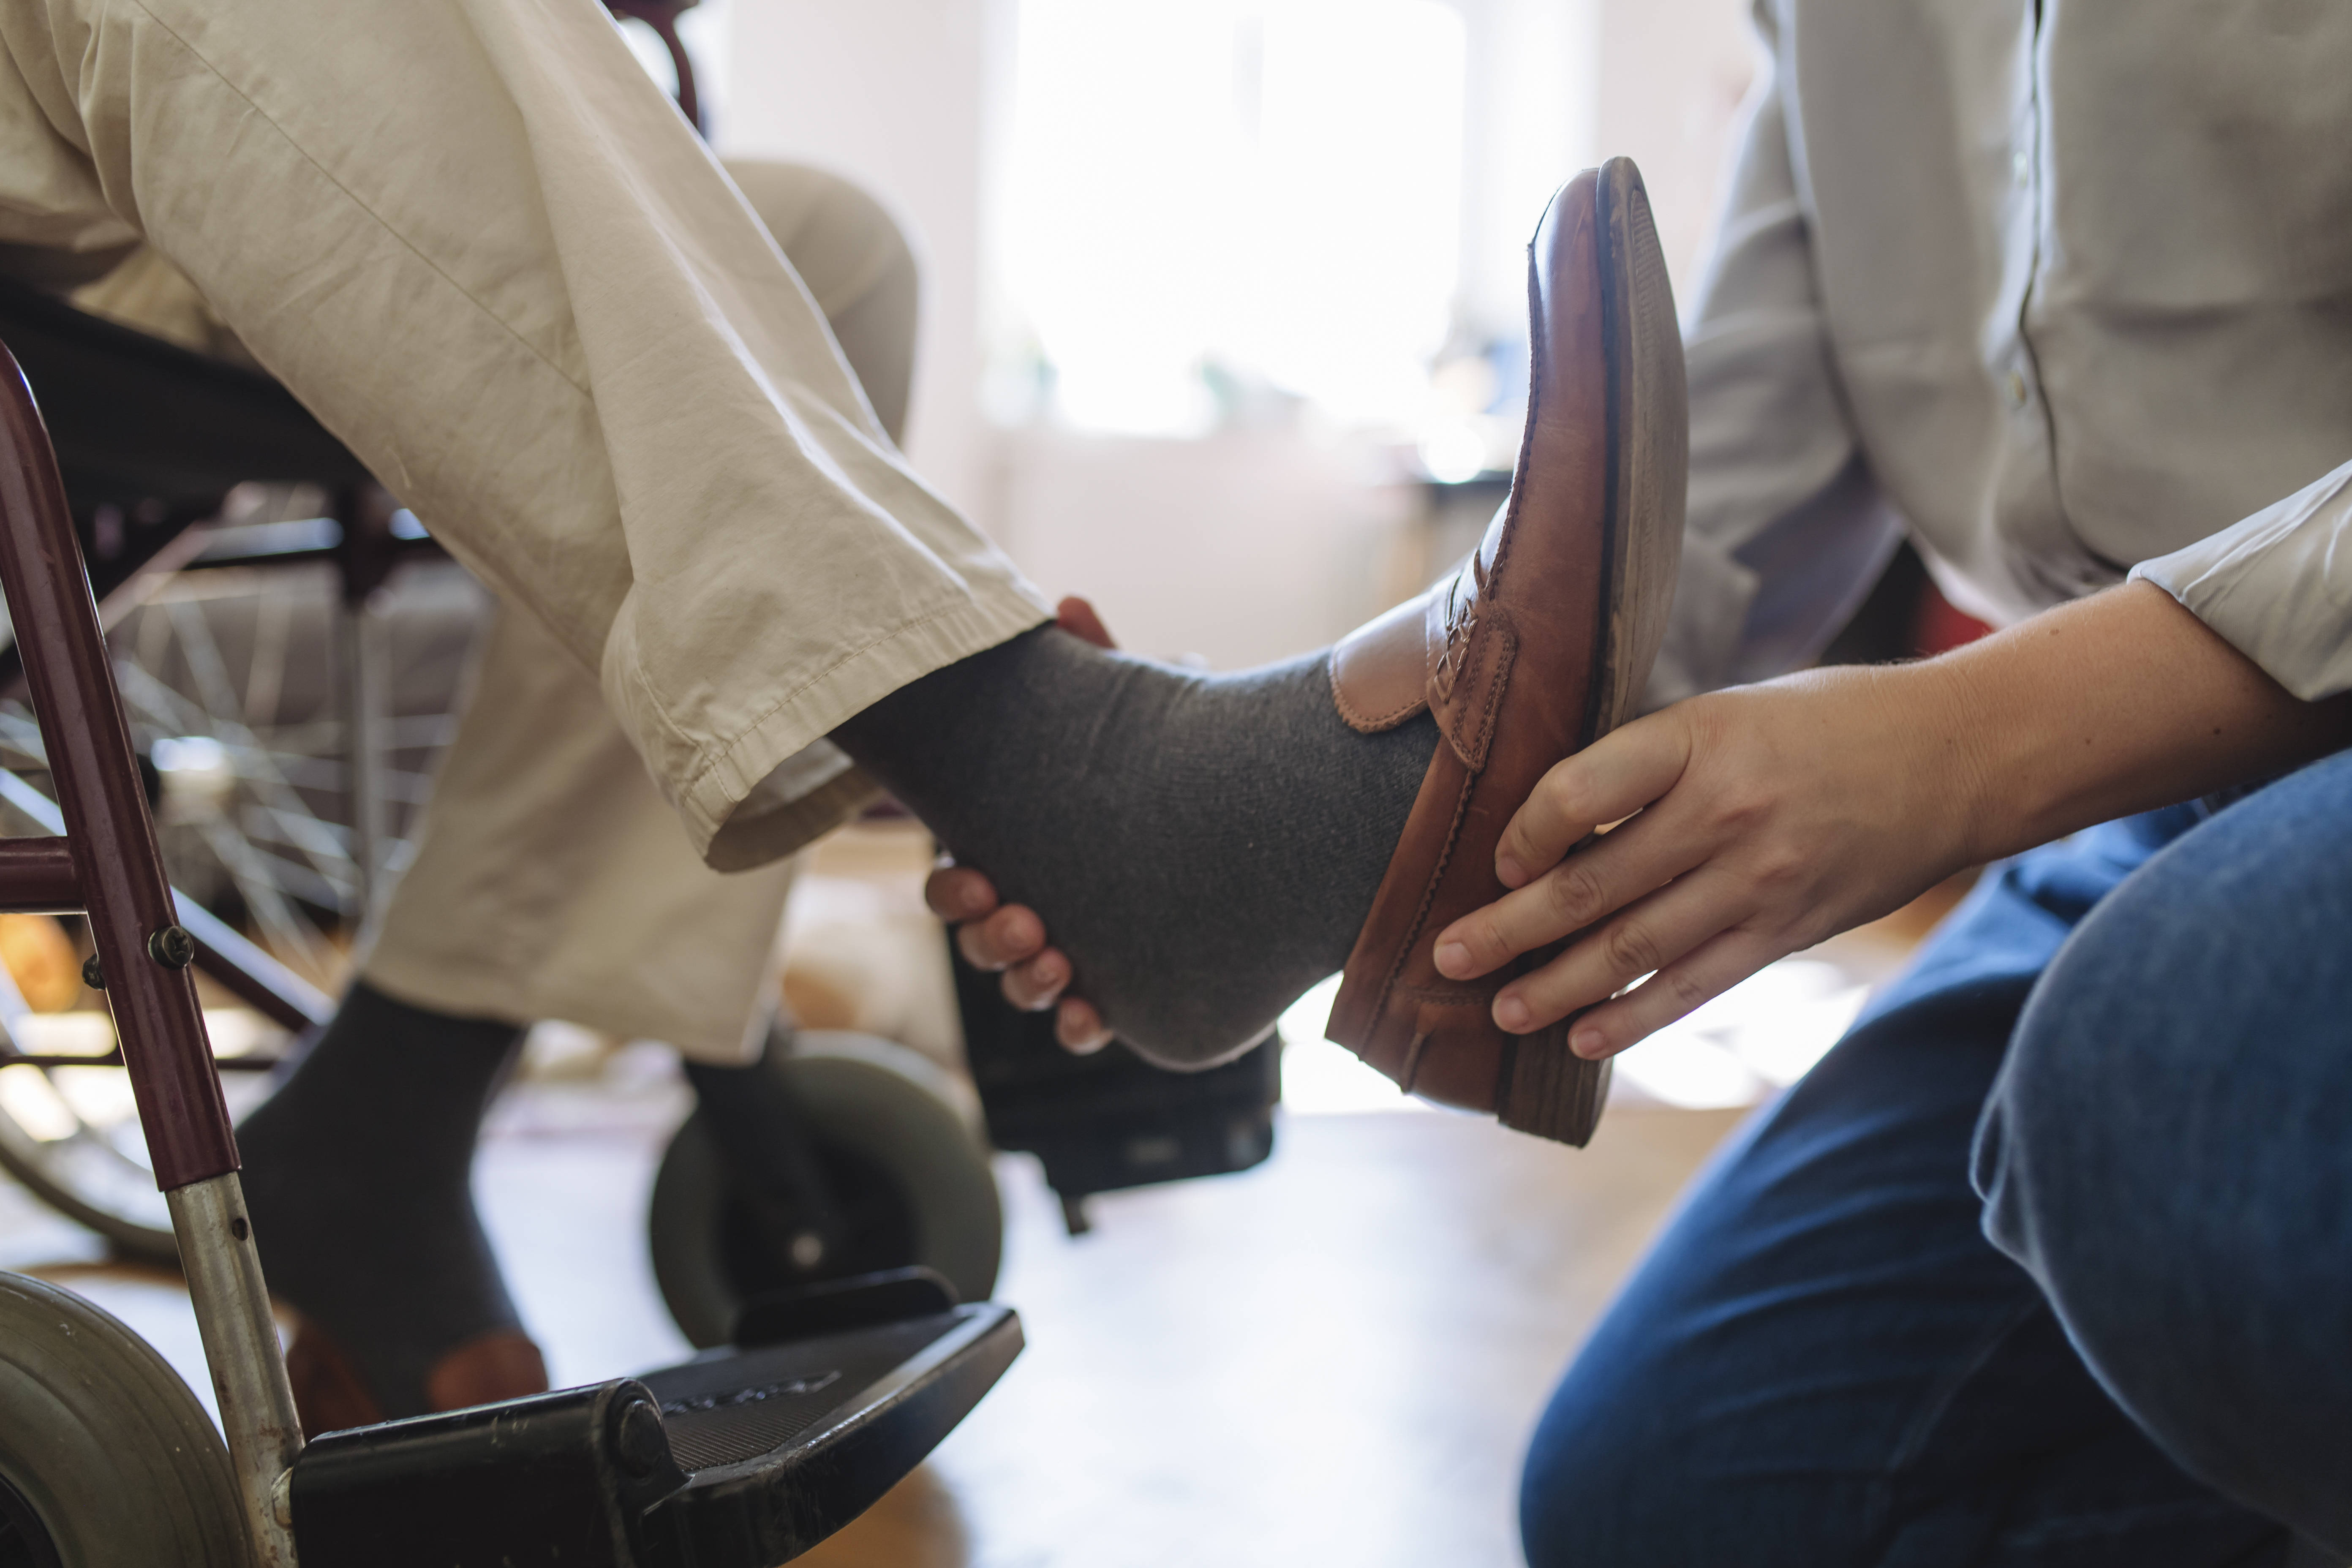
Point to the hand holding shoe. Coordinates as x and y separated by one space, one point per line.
1766 818
1753 822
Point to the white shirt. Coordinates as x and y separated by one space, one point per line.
2064 287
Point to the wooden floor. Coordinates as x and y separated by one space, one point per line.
1333 1358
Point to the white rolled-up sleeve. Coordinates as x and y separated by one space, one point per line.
1786 531
2277 587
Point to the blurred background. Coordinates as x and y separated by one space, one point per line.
1223 328
1215 288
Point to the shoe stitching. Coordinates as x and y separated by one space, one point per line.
1360 719
1421 910
1538 363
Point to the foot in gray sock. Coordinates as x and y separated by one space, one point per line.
358 1174
1204 847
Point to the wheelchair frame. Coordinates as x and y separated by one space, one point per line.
108 867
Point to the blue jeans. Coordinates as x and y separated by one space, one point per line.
2143 1037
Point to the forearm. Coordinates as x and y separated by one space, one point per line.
2120 704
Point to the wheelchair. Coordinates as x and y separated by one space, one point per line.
817 1223
825 1225
746 1454
833 1155
834 1151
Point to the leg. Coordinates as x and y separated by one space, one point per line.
2166 1151
551 881
1823 1363
501 268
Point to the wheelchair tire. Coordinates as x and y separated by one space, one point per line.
900 1142
106 1458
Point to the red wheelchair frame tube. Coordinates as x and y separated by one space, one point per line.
116 871
38 878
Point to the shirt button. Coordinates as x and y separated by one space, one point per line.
2016 389
2021 167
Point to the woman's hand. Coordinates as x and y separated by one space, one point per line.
1765 818
1768 817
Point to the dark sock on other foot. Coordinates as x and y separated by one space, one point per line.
358 1175
1204 847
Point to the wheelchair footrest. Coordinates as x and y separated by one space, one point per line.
739 1458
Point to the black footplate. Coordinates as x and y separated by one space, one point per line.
739 1458
1108 1119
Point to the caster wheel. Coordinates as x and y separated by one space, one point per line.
899 1142
105 1457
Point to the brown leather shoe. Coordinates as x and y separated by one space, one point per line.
329 1394
1536 648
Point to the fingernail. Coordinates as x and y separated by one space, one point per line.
1589 1044
1453 959
1049 974
1509 872
1512 1013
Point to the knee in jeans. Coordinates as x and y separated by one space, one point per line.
2038 1172
2140 1156
1591 1493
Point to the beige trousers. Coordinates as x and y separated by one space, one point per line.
474 239
550 879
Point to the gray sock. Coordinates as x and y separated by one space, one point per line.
1204 847
358 1174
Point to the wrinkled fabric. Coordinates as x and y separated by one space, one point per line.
550 878
2062 289
480 246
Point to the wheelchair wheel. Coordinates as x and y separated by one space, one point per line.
225 681
72 1136
106 1458
899 1142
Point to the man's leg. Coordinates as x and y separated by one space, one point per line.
2168 1150
1823 1363
551 881
475 239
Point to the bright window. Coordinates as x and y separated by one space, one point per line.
1210 202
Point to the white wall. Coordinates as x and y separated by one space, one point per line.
1242 547
1534 121
893 93
1672 76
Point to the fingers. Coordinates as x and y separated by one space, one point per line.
1587 887
1079 1028
958 892
1013 935
1012 938
1611 779
1646 939
1674 991
1037 986
1078 617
